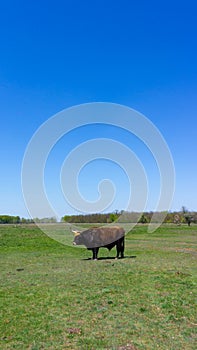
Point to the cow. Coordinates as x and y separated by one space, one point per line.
97 237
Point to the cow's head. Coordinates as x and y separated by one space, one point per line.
77 237
76 233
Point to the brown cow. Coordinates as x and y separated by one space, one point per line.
97 237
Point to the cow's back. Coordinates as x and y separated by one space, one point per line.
102 236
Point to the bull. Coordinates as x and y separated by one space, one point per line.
97 237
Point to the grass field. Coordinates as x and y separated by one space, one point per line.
53 297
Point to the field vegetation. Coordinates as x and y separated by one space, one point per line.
52 296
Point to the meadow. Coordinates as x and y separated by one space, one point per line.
52 296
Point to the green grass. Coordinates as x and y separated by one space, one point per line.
53 297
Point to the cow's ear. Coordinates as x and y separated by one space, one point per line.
76 233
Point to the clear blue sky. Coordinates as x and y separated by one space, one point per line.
56 54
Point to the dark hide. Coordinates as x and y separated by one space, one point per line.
107 237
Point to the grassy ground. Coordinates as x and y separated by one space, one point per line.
53 297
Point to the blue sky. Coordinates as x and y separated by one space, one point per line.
56 54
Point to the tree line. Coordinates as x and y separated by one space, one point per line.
183 216
10 219
178 218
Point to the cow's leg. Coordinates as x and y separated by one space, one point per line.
122 248
117 250
95 253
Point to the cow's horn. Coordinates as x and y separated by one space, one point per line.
76 233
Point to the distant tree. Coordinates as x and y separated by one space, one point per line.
188 219
45 220
113 217
177 219
9 219
187 215
143 219
24 221
65 218
16 219
184 210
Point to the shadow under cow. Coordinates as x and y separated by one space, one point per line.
112 258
